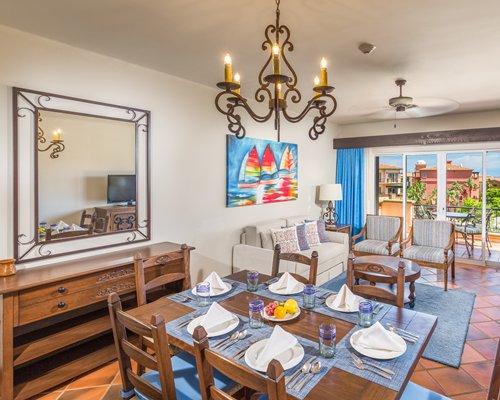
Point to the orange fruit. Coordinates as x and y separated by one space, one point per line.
280 312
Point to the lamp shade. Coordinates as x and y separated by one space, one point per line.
330 191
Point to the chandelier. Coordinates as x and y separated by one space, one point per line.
56 144
279 88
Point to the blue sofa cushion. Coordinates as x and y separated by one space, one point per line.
187 385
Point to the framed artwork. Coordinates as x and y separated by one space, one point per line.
260 171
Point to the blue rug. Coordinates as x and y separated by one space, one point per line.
453 309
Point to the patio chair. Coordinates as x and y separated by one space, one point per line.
432 244
472 226
422 212
382 236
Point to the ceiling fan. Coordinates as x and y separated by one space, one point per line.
407 107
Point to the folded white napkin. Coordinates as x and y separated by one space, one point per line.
61 225
377 338
75 227
215 316
279 342
286 284
346 299
216 283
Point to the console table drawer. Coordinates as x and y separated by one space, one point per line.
64 288
45 309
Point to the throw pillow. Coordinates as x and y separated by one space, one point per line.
312 233
266 240
301 236
287 239
323 237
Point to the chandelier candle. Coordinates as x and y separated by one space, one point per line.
56 135
316 84
237 80
324 73
276 59
228 70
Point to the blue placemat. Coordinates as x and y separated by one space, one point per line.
253 335
237 288
401 365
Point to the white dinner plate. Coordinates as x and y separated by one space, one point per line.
288 359
216 292
283 292
378 354
288 317
329 304
218 330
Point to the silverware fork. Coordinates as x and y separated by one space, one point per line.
362 366
184 323
386 370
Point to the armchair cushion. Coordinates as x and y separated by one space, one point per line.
381 227
469 229
376 247
426 254
431 233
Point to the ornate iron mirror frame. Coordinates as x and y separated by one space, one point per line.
26 106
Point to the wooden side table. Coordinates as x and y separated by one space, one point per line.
344 228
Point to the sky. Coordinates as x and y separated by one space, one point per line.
469 160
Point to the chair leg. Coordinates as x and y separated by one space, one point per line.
453 268
446 280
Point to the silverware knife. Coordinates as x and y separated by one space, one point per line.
402 331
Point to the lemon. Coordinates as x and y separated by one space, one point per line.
291 306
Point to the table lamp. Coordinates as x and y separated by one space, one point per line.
329 192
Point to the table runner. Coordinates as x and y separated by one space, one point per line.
310 349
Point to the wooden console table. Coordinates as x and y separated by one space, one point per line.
119 217
55 323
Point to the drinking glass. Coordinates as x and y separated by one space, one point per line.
309 296
365 314
252 281
203 293
255 308
327 338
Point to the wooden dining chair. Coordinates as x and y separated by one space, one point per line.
167 378
140 265
207 360
356 270
312 262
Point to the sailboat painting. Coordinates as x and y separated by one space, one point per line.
260 171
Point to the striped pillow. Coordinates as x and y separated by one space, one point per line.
301 236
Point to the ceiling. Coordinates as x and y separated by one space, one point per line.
445 49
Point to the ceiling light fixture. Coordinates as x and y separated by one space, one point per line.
278 88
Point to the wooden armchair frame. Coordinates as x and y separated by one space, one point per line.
445 265
397 238
273 384
297 258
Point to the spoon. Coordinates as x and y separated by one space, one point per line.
305 370
241 335
316 367
234 336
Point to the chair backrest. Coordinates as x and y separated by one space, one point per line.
381 227
432 233
101 224
87 220
273 384
494 392
297 258
142 287
377 292
126 350
67 234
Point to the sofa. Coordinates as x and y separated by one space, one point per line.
255 251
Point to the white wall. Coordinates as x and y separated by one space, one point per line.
188 134
77 179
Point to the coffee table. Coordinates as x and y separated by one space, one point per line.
412 272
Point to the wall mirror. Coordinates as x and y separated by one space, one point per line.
81 175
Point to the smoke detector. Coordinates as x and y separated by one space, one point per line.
366 48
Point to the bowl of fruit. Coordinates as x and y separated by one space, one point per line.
278 311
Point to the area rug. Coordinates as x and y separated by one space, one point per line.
453 310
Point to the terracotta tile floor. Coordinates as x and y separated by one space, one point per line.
469 382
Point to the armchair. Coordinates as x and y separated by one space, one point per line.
382 236
432 244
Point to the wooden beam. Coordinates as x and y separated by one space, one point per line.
420 138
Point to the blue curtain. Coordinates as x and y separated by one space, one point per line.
351 175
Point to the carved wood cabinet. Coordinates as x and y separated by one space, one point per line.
55 323
119 217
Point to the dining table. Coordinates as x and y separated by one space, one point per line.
339 380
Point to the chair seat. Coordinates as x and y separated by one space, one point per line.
187 384
469 229
376 247
426 254
416 392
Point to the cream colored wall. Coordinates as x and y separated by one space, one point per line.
77 180
188 144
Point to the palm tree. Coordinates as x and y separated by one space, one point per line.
454 193
433 196
470 185
416 192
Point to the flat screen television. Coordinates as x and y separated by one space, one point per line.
121 189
